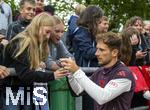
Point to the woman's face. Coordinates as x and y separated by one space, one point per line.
45 32
28 11
138 25
103 26
57 32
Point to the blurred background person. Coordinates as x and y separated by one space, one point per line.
103 24
129 45
146 28
50 9
72 23
39 6
146 31
142 56
27 12
72 26
5 17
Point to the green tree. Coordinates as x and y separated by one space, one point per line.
118 11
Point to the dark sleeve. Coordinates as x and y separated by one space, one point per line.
26 74
84 43
22 66
1 48
133 56
11 31
1 53
72 24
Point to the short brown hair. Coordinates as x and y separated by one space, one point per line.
104 18
111 39
22 2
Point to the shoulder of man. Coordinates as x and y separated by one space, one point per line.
123 72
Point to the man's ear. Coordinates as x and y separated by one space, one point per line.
115 52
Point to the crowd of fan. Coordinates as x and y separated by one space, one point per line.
31 46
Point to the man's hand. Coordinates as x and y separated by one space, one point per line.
4 72
69 64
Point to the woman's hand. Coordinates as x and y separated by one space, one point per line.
69 64
42 65
140 54
60 73
134 39
4 72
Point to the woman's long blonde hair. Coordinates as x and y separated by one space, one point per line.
29 39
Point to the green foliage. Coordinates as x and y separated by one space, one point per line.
13 5
64 8
118 11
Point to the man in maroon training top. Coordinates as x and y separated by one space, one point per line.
112 85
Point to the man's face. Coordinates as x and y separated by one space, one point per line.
104 55
39 4
28 11
103 26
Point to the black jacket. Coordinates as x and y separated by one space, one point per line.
16 27
25 76
84 46
143 46
1 53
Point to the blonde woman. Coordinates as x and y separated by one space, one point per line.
57 48
26 52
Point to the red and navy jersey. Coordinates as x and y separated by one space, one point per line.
103 76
